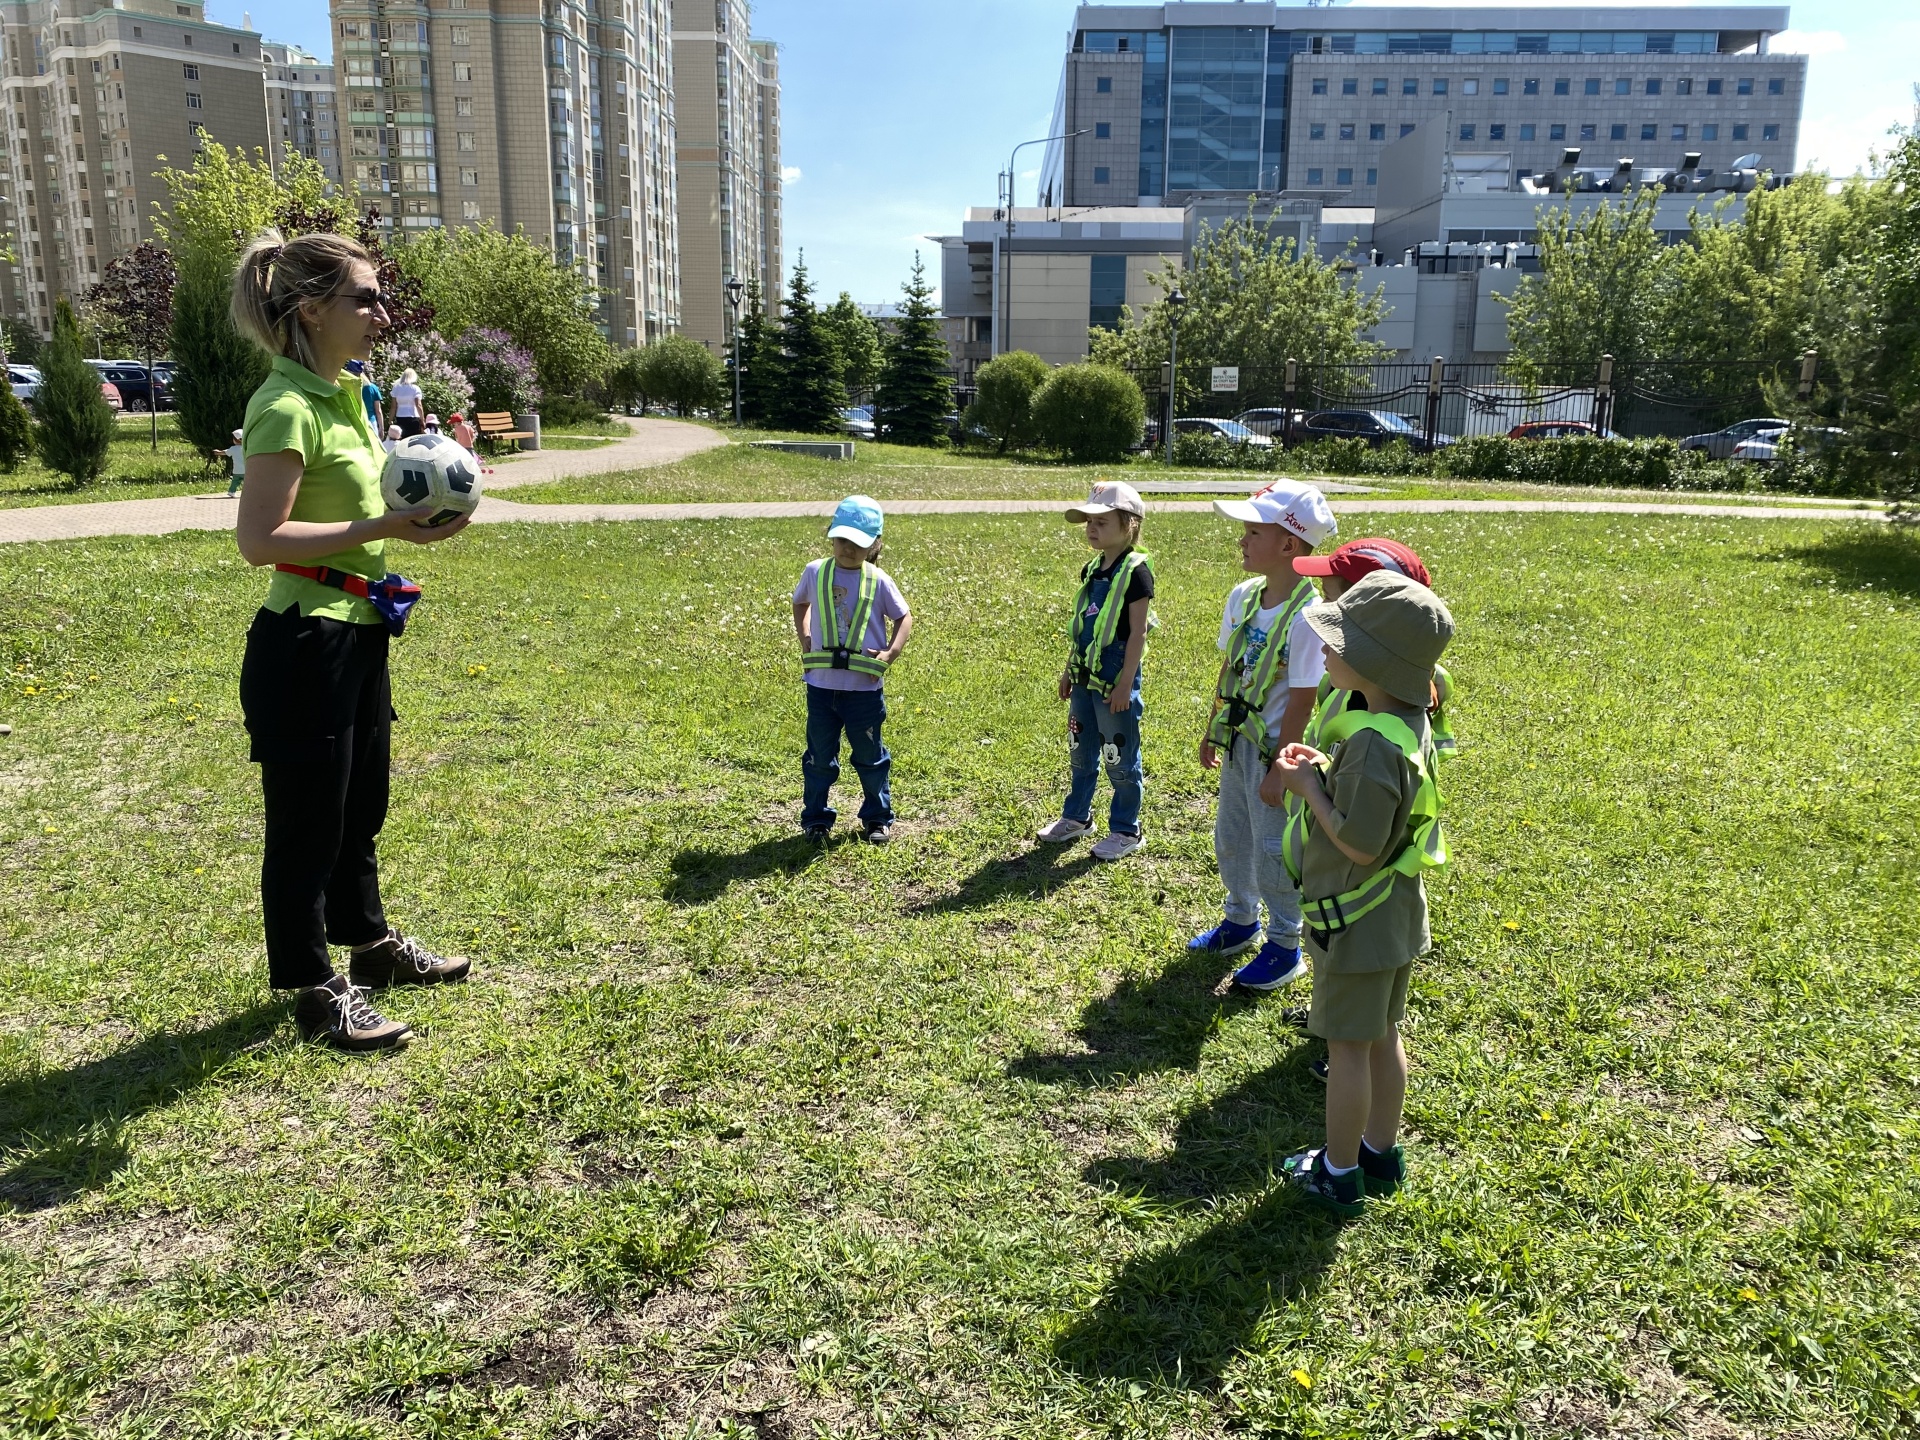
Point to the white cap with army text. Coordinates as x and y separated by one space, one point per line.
1294 507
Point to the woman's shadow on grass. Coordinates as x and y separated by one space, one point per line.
1033 874
699 876
63 1131
1884 557
1180 1315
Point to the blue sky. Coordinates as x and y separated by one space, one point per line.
899 113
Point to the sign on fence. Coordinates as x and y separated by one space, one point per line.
1226 377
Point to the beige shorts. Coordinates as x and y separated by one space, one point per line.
1357 1007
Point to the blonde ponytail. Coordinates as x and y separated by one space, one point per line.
275 274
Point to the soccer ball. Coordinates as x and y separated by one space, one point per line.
434 470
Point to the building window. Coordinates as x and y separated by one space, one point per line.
1777 85
1106 291
1769 132
1379 84
1592 87
1623 87
193 99
1320 86
462 72
1470 87
1405 130
1709 132
1466 132
1102 175
1589 132
1102 130
1529 87
1439 87
469 177
1679 132
1376 132
1343 176
1563 87
1103 85
1739 132
1373 177
458 34
1616 132
1743 86
1349 87
1653 87
1346 131
1496 132
1315 175
190 72
1316 131
1713 87
1649 132
469 209
463 106
463 140
1409 86
1683 86
1500 87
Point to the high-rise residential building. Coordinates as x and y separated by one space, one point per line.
300 113
557 121
725 88
94 104
1182 99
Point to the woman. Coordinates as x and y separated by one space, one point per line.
313 686
407 411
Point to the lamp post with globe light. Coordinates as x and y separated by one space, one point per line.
1175 302
734 291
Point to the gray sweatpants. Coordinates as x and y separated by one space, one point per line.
1246 843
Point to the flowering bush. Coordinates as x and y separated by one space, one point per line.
503 373
444 387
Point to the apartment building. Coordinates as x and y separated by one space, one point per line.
558 121
300 114
1184 98
725 89
94 104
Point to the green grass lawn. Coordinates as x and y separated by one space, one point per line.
732 1137
135 471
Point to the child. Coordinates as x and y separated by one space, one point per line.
844 652
1268 679
1336 571
1370 824
433 424
393 438
236 454
463 433
1106 638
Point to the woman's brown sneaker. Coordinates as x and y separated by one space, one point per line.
338 1014
401 960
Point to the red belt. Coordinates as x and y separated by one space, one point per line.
339 579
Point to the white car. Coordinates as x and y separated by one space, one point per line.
857 421
1764 448
1231 431
26 382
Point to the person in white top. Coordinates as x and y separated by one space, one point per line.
408 412
236 454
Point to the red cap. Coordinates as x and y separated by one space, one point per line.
1362 557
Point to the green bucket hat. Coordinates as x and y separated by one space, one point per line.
1390 629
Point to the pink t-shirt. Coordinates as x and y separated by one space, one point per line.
888 605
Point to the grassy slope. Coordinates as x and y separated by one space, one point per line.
954 1138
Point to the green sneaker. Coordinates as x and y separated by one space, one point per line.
1308 1174
1385 1173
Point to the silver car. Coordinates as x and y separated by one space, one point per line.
1720 444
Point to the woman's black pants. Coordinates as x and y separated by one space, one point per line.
411 425
320 713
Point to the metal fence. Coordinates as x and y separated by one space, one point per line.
1441 398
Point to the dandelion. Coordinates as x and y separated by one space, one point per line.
199 869
1510 925
1303 1379
1749 1293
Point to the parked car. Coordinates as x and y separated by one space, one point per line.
1267 420
1231 431
164 371
1379 428
1764 448
1719 444
857 421
137 389
1557 430
26 382
110 393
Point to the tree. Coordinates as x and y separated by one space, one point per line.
915 392
1604 288
1252 301
137 292
16 430
682 373
1094 413
481 276
809 397
623 381
856 344
760 361
1004 405
503 373
73 427
23 342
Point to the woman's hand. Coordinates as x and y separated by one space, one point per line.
406 525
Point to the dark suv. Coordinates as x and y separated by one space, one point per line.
137 390
1377 427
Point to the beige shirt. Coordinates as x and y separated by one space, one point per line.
1373 786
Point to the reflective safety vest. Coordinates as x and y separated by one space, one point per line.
1083 661
837 651
1331 702
1426 847
1241 699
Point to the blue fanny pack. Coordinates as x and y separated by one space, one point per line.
392 595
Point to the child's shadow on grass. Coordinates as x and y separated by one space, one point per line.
700 876
1031 875
1884 557
63 1131
1160 1022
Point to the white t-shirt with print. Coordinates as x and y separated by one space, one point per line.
1305 662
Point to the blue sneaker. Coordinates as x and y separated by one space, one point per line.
1226 938
1272 968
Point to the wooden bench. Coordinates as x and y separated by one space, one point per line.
493 426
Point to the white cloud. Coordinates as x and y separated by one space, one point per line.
1807 42
789 174
1839 143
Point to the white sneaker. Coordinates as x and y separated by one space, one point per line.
1118 845
1063 830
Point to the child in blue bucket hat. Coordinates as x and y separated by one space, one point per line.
843 609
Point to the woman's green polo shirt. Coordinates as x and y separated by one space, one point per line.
327 426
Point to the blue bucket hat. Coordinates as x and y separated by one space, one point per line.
858 519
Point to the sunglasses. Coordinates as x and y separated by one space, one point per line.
366 299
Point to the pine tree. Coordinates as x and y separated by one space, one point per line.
74 425
16 430
759 359
856 343
809 397
916 384
218 368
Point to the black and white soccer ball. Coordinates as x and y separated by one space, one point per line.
434 470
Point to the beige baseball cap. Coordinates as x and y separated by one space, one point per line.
1108 495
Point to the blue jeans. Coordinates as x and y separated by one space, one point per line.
860 713
1097 736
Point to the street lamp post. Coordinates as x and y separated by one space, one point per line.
1174 303
734 291
1006 248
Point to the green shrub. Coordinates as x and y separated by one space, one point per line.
16 430
1839 470
1091 413
1658 464
1004 405
681 372
219 369
570 410
74 425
